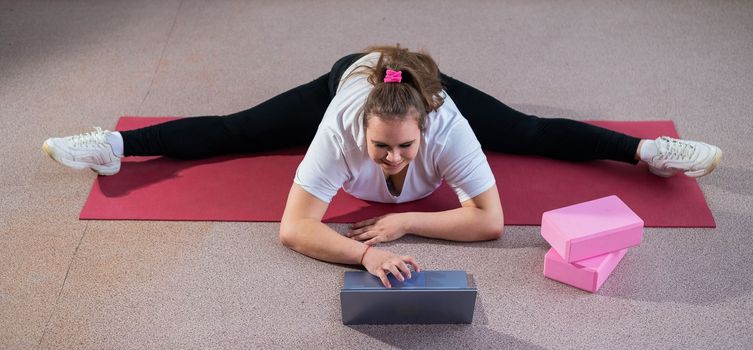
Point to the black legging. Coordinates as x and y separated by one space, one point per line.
292 118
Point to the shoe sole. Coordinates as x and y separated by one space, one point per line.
704 172
48 149
662 173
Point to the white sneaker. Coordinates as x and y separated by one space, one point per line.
90 150
694 158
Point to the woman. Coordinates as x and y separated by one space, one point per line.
391 132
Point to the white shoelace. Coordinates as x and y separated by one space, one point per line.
89 139
672 148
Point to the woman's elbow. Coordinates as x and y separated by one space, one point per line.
496 228
496 232
288 236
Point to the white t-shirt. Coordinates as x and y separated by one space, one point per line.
338 158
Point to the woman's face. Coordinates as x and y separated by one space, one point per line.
392 144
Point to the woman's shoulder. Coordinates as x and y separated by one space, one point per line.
445 118
369 59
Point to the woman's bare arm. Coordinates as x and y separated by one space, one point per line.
301 229
479 218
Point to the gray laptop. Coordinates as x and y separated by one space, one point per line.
428 297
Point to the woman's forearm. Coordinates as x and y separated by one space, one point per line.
462 224
317 240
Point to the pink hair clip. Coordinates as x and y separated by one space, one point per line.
393 76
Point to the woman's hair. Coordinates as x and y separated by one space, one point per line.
420 88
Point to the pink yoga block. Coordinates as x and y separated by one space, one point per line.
592 228
587 274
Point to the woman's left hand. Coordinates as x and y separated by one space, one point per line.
379 229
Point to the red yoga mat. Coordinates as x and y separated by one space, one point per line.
254 187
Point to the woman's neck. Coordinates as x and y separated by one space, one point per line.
395 182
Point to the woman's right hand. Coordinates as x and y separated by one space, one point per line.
380 262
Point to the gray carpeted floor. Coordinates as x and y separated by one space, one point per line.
68 66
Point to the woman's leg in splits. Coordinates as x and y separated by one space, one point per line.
503 129
286 120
